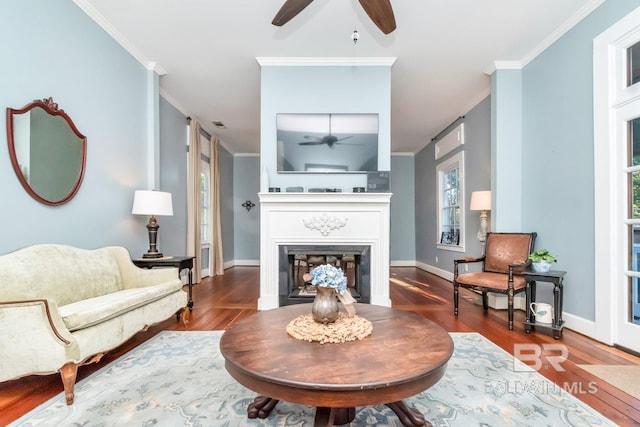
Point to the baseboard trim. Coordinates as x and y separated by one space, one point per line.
580 325
403 263
434 270
245 262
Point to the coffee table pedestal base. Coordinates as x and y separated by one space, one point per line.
262 406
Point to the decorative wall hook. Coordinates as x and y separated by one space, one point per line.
248 205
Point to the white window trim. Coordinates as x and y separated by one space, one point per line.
609 95
450 141
441 169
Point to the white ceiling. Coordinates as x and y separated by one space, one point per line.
444 50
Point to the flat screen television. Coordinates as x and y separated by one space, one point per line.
327 143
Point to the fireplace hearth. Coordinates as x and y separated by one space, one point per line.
294 260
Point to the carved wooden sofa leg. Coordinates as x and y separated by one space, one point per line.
69 372
183 314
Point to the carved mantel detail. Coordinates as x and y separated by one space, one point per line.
324 223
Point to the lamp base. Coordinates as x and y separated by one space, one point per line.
153 227
153 255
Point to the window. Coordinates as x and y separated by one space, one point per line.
633 64
205 194
632 172
451 203
205 214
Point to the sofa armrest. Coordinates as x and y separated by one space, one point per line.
34 338
136 277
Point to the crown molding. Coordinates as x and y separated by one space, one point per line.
326 62
504 65
171 100
157 68
99 19
582 13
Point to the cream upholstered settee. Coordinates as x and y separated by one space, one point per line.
62 307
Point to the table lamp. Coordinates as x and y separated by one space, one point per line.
481 201
152 203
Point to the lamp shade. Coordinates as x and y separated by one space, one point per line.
153 203
480 201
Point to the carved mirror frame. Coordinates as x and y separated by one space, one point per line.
52 110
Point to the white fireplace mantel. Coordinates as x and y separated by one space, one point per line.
324 219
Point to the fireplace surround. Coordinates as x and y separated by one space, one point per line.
332 223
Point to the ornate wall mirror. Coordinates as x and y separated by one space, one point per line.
47 151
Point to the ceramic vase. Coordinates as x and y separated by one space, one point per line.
325 305
541 266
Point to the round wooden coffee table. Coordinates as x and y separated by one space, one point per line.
405 355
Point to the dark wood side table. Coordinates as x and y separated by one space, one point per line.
551 276
179 262
404 355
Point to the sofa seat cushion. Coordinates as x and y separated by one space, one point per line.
89 312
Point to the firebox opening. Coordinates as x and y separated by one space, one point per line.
295 260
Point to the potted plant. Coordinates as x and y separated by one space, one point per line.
541 260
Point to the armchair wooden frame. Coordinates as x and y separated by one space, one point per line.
505 259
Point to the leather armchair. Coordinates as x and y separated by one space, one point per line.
505 258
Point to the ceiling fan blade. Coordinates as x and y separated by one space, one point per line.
289 9
381 13
311 143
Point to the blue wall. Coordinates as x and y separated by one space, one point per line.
172 238
323 89
402 210
246 183
557 152
52 48
477 148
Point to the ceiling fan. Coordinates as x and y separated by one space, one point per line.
329 139
380 12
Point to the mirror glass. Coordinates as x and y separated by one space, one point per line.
47 151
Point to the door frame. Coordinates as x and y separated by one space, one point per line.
610 94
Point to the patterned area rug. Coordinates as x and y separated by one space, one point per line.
178 378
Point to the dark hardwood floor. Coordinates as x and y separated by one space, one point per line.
222 300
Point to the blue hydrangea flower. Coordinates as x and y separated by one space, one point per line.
329 276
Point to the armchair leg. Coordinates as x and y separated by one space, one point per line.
455 299
485 301
510 309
